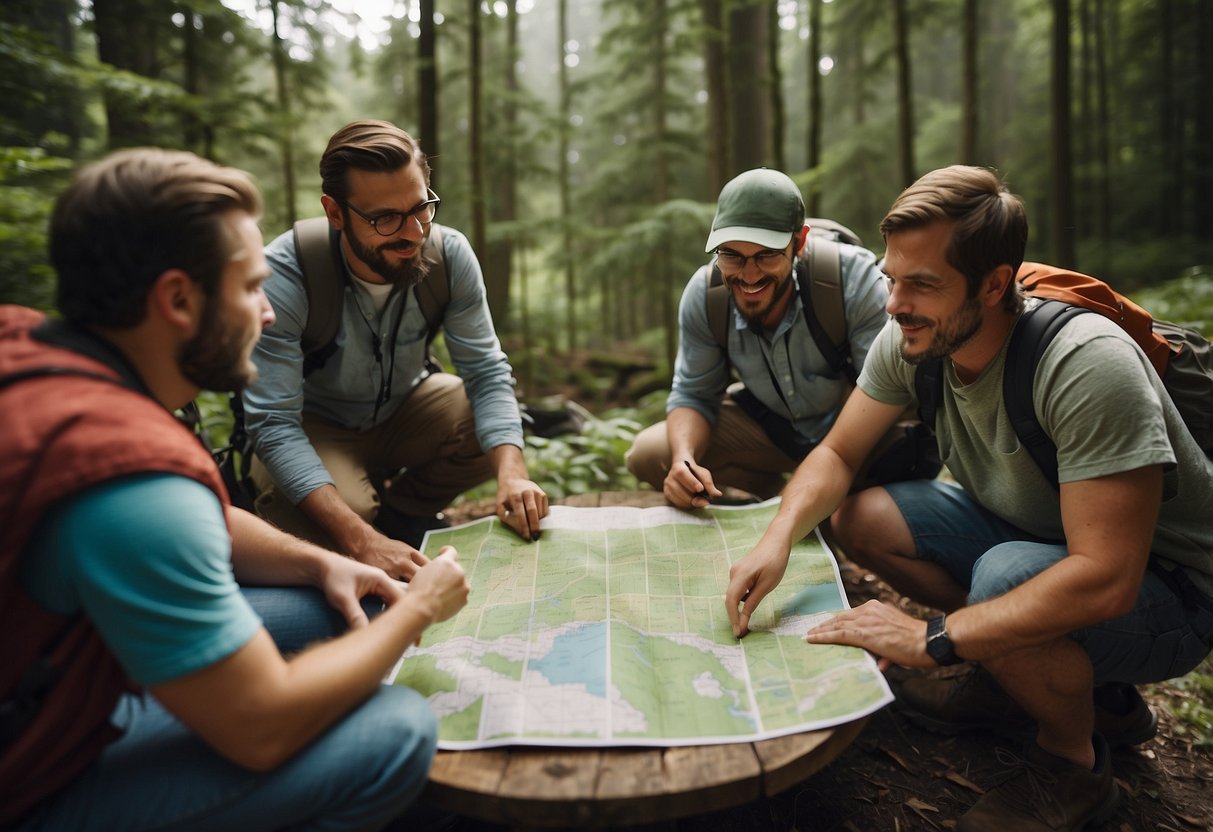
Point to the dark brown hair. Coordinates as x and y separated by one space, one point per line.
367 145
991 227
135 214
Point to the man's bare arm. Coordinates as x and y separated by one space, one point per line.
257 709
817 487
1109 524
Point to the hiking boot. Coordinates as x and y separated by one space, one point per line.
1122 716
1044 793
966 698
409 528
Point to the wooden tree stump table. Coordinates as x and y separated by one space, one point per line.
531 787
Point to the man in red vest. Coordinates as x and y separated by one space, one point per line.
121 554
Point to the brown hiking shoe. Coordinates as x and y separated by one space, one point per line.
1044 793
966 698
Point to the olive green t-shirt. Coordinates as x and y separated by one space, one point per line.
1102 404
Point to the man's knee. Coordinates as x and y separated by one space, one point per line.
868 525
396 733
1007 565
649 457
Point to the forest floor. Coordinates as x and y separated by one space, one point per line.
901 778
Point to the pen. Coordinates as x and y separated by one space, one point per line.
701 493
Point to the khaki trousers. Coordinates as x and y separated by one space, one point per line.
739 455
417 461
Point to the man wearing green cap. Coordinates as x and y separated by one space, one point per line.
790 392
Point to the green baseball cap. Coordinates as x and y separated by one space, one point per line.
760 206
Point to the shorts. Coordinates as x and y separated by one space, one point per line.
1160 638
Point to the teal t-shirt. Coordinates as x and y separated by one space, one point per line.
147 558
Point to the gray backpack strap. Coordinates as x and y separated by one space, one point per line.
718 308
825 287
323 280
434 293
819 277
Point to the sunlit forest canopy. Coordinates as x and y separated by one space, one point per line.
580 144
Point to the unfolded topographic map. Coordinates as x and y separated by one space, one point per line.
612 630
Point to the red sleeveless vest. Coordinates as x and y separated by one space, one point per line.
60 432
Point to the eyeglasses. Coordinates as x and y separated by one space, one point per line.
389 222
768 260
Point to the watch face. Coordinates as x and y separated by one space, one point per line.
939 644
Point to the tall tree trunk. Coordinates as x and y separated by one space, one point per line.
1201 155
1104 44
192 129
1061 171
503 173
750 120
475 117
566 221
814 102
859 91
905 97
968 130
1084 170
661 177
524 317
127 38
286 126
427 85
719 163
775 81
66 115
1170 128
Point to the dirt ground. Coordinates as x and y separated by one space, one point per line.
897 777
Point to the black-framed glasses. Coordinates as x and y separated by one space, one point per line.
389 222
768 260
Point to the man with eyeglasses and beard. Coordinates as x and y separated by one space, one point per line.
789 393
363 452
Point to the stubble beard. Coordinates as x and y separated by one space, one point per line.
950 336
216 357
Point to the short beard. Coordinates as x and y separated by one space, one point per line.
757 318
214 358
406 273
949 337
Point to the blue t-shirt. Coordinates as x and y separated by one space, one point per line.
147 558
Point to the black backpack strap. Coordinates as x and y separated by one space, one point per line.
928 388
819 278
59 333
1034 331
318 251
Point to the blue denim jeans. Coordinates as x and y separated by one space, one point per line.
360 774
1160 638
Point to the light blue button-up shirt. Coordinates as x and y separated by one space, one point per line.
345 389
810 393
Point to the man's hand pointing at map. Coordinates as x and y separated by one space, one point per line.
750 579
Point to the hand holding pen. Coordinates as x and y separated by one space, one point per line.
697 488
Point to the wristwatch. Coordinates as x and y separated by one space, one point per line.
939 643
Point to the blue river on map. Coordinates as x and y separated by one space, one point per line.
577 656
812 599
